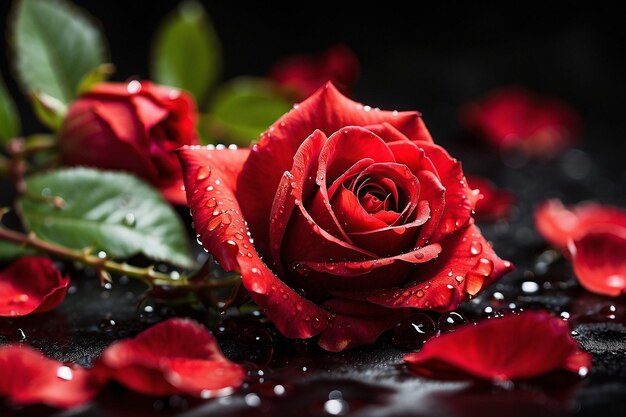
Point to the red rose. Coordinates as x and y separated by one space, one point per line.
306 73
512 117
132 127
357 217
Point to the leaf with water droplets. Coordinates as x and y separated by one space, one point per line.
106 211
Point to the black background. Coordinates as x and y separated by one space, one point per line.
432 60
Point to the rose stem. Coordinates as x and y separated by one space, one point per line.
147 275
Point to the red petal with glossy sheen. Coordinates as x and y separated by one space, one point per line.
177 356
27 377
356 324
494 203
599 260
510 348
210 179
326 110
31 285
460 199
558 224
466 265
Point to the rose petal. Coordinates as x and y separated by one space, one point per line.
171 357
31 285
346 147
466 265
460 199
558 224
513 347
211 178
174 192
512 117
356 324
495 203
320 209
149 112
306 73
27 377
326 110
599 260
294 184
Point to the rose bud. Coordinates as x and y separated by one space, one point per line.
306 73
514 118
133 127
341 220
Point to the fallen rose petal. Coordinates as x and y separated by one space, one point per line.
495 203
559 224
512 117
307 73
177 356
31 285
27 377
510 348
599 260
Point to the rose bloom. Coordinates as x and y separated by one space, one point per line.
514 118
131 127
341 220
306 73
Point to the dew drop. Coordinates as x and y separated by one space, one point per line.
530 287
458 278
336 407
214 223
133 87
484 267
252 400
449 322
413 331
65 373
211 202
226 218
130 220
203 173
476 248
609 311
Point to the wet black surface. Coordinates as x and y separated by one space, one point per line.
433 62
290 376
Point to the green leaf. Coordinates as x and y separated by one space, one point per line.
50 111
97 75
9 250
55 45
186 52
9 118
244 108
104 211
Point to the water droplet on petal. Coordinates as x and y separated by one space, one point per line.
133 87
476 248
65 373
203 173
